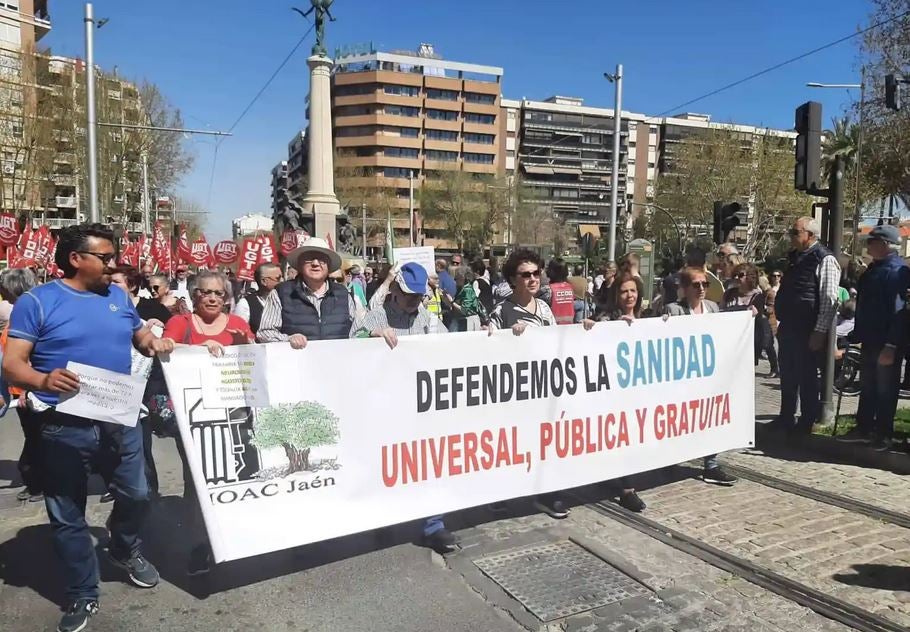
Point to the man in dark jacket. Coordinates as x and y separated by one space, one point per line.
881 293
311 307
250 307
806 305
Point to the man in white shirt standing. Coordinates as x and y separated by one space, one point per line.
179 283
249 308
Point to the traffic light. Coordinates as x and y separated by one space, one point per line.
892 92
726 219
808 146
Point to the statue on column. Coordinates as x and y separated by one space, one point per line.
321 9
347 237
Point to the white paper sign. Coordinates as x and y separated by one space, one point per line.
424 255
238 378
104 395
451 421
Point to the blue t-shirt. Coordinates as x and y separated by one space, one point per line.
447 283
65 324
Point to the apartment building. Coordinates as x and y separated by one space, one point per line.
298 151
407 113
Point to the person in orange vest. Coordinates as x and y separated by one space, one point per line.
562 296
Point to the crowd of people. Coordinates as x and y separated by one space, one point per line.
121 318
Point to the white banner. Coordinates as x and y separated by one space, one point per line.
450 421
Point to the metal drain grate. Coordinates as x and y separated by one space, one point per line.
558 579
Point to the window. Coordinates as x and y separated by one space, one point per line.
485 119
10 33
402 91
442 156
442 115
479 139
438 134
565 193
400 152
356 130
347 91
444 95
396 172
481 159
10 64
408 132
400 110
12 5
484 99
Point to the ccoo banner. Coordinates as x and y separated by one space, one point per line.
451 421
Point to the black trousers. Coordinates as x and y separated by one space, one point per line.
30 461
151 472
799 379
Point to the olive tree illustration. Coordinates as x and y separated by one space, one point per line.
297 428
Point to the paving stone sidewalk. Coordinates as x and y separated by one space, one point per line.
850 556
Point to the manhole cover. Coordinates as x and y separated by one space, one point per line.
559 579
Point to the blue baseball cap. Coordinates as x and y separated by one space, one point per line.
887 233
412 279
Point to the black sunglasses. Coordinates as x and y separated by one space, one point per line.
527 274
105 257
700 284
155 288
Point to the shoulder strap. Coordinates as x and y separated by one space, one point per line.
188 333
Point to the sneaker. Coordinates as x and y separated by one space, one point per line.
553 507
717 476
106 498
883 445
442 541
140 570
23 495
855 436
77 615
200 561
631 501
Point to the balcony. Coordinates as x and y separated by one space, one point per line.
66 201
42 19
64 179
59 222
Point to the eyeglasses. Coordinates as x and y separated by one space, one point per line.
700 285
275 279
155 288
104 257
527 274
776 275
318 260
795 232
741 275
215 293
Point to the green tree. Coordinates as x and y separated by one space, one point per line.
469 208
297 428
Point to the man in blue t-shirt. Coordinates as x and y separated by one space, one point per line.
83 318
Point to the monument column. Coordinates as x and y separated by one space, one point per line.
320 198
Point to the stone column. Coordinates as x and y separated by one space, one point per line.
320 198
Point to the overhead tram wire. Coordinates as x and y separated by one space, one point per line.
250 105
783 63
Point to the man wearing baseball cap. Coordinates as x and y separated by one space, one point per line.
310 307
881 291
402 313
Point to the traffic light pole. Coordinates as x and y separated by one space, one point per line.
835 195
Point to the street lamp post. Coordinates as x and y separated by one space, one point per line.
657 207
94 212
616 80
854 246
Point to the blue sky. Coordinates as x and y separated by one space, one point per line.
211 56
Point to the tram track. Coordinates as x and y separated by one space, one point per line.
829 498
818 601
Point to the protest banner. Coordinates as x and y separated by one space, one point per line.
450 421
225 251
9 229
425 256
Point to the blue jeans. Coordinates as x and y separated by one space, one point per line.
74 447
433 524
880 389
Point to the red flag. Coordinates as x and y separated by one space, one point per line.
267 252
9 230
52 268
145 248
44 243
184 251
130 256
126 249
330 241
225 251
28 243
201 253
12 255
249 259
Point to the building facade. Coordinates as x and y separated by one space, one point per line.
411 114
